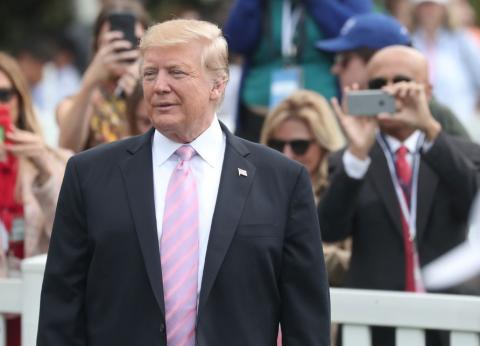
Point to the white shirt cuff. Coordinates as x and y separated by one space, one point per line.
355 167
427 145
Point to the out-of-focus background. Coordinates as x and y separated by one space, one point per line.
21 21
53 43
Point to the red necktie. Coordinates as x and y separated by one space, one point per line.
404 174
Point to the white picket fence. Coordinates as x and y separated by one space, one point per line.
410 313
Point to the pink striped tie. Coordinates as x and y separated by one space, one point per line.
179 252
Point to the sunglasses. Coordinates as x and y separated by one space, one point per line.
298 146
6 94
379 83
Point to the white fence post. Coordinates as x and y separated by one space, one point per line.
3 332
409 336
356 335
464 339
32 269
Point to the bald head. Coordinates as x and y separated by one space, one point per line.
394 64
399 61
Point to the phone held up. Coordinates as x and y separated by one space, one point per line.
370 102
125 23
5 122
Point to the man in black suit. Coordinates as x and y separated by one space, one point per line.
249 238
402 189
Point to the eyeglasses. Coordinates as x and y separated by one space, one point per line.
6 94
379 83
298 146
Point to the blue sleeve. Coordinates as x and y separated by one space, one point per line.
330 15
244 26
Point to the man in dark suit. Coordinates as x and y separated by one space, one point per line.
404 192
186 235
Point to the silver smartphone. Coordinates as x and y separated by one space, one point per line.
370 102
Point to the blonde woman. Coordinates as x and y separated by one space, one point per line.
304 128
30 179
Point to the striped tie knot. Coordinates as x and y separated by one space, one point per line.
185 152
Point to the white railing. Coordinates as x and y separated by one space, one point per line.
22 296
410 313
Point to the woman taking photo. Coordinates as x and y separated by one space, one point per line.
30 179
304 128
97 114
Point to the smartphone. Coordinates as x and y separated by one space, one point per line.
370 102
124 22
5 122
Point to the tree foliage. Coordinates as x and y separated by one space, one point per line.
23 20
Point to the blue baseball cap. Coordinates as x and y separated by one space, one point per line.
371 30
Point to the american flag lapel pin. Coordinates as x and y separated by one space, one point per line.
242 172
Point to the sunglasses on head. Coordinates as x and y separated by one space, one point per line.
379 83
6 94
298 146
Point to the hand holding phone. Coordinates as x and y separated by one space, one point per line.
125 23
5 122
359 130
370 102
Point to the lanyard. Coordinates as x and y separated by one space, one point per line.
290 19
409 215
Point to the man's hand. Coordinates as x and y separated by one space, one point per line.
360 131
412 108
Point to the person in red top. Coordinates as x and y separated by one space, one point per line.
30 179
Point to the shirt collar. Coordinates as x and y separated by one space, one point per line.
410 143
209 145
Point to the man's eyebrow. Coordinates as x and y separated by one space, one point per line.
149 66
176 65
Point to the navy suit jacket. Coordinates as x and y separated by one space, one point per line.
264 262
368 210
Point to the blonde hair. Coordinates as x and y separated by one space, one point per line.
183 31
312 109
26 116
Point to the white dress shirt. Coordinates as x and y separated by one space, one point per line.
206 167
357 168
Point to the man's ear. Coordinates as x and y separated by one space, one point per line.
218 89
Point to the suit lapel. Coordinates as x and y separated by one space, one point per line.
380 176
232 194
427 183
138 178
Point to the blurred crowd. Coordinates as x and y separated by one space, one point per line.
393 195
